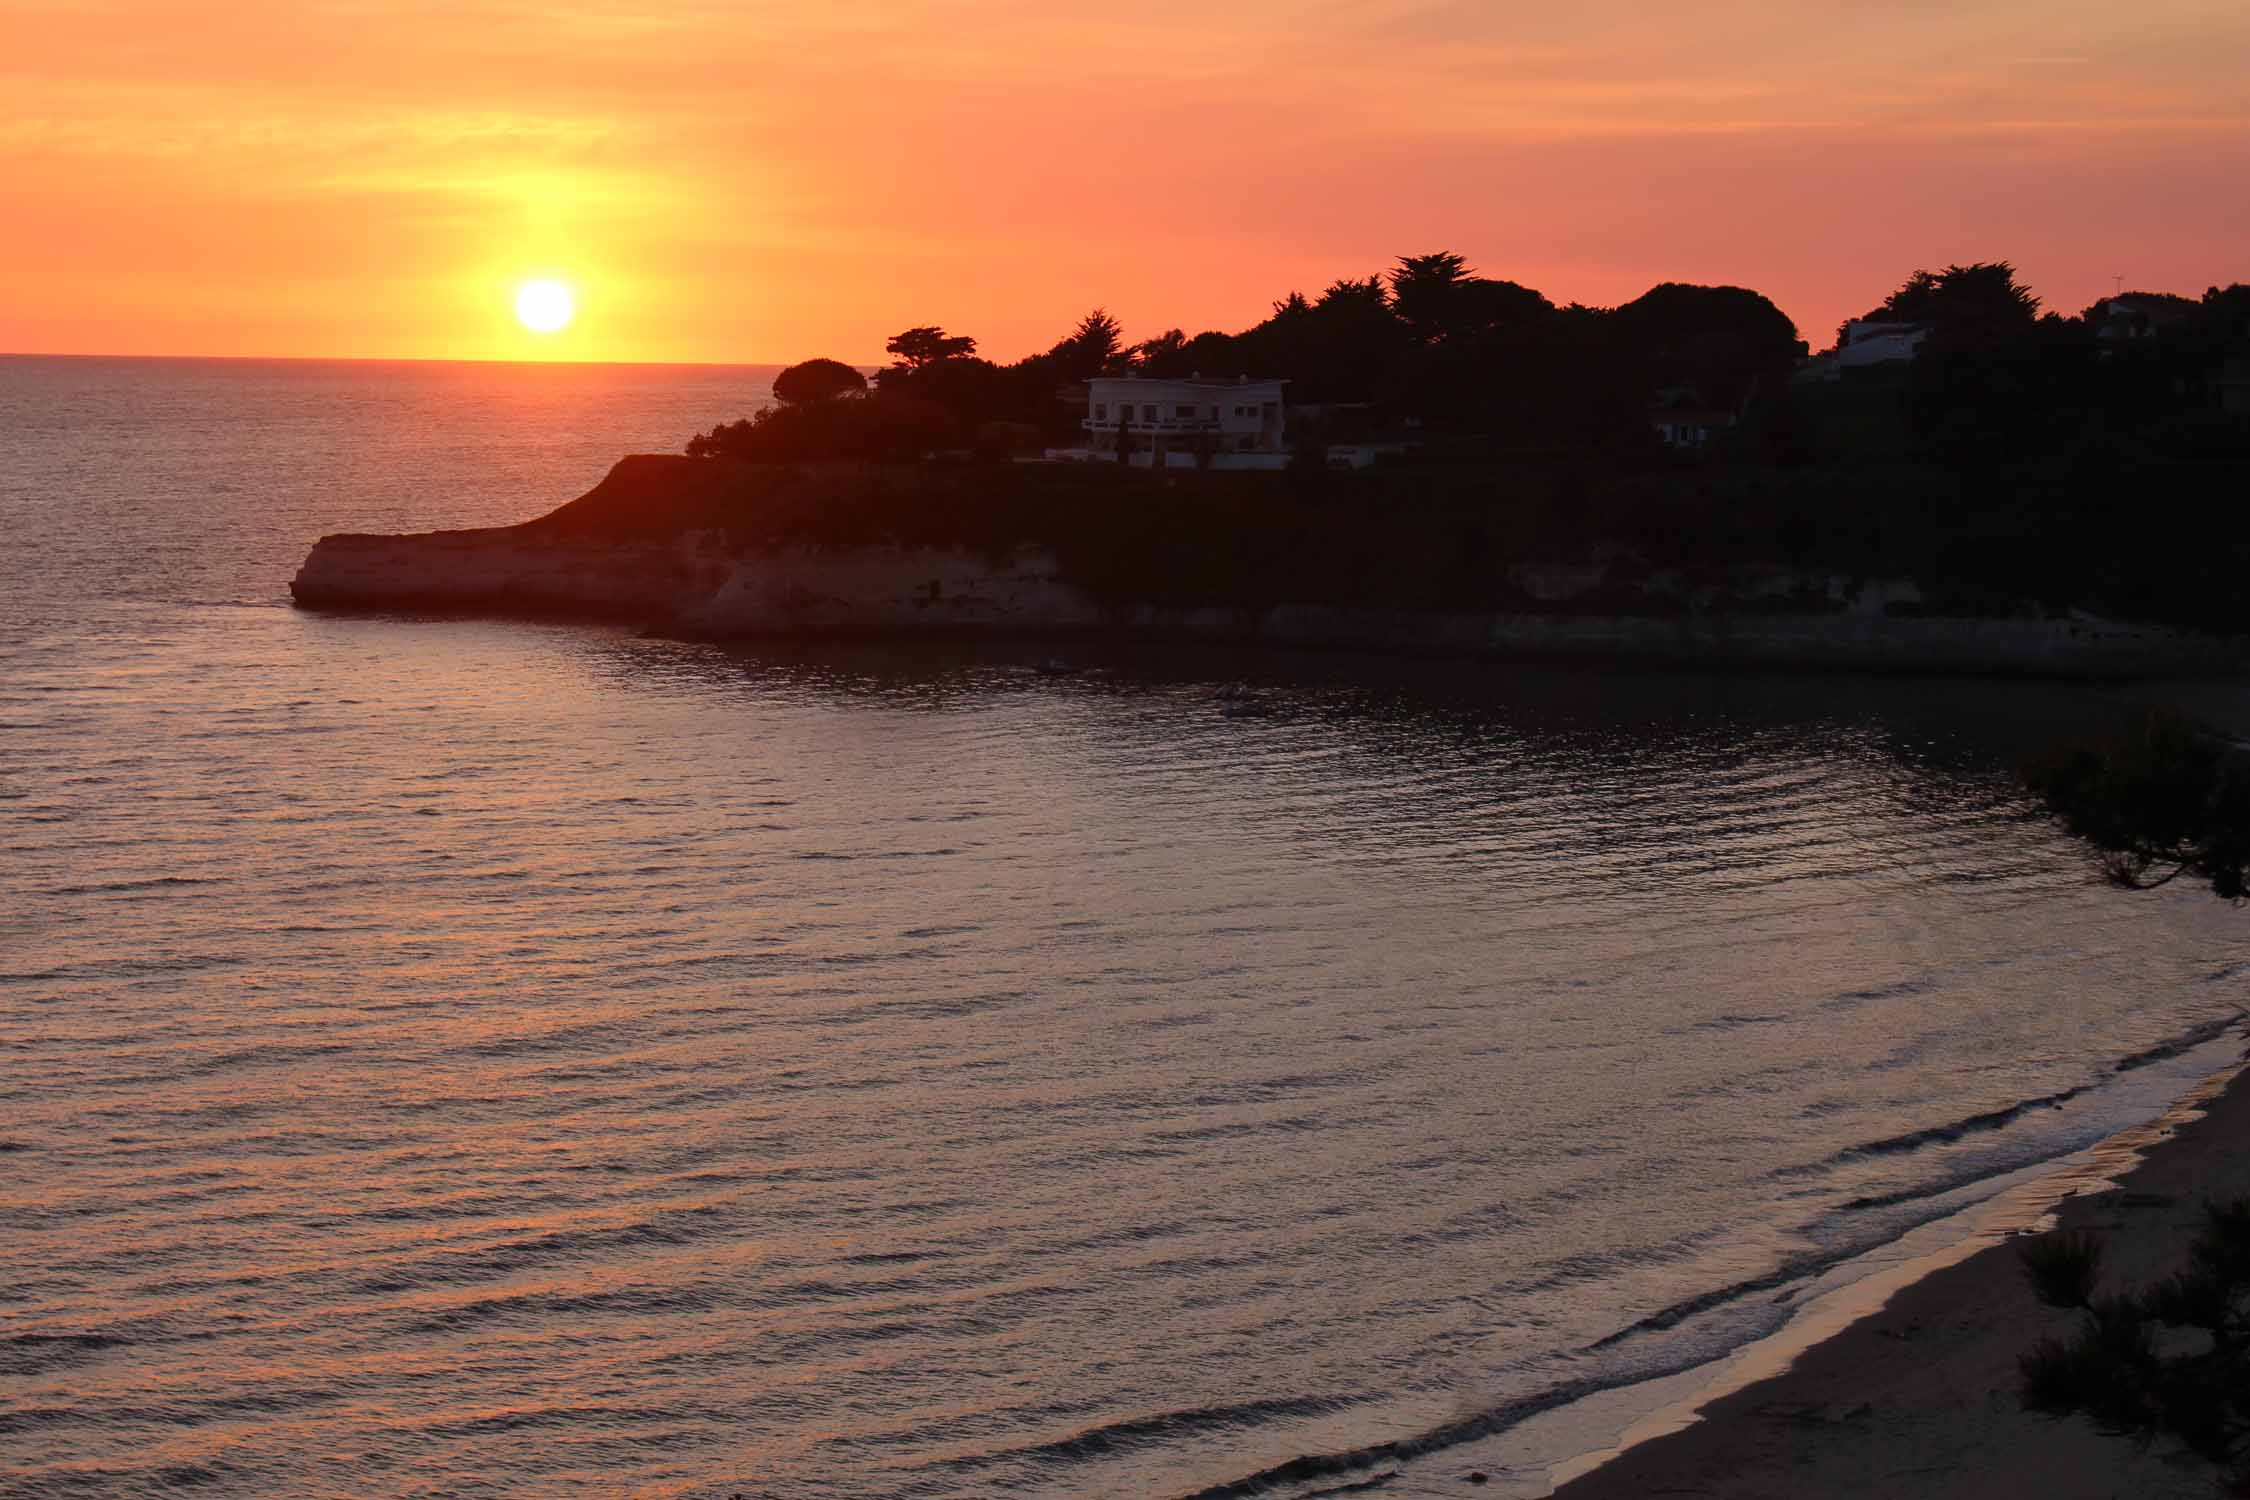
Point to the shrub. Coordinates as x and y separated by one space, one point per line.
2064 1267
2122 1368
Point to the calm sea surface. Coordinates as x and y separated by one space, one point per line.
447 1058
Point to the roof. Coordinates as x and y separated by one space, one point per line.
1196 381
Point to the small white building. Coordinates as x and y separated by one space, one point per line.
1683 419
1183 424
1866 344
2140 315
1872 343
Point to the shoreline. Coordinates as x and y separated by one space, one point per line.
1903 1382
1643 643
1579 1437
710 551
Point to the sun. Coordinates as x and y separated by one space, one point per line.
545 305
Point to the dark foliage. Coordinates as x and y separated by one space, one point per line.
917 347
1441 300
888 427
2064 1267
817 380
2011 466
2164 800
2172 1359
1984 298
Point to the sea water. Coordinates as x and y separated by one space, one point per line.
480 1058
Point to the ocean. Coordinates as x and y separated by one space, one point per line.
484 1058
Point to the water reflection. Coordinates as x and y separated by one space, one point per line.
535 1058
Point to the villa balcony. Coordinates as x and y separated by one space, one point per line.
1160 425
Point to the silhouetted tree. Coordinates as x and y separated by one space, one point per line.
973 390
919 347
1333 349
1983 299
1424 288
2164 800
1356 298
1441 300
817 380
1482 305
1484 363
1215 354
2225 313
887 427
1720 341
1095 347
1981 392
1163 357
1172 355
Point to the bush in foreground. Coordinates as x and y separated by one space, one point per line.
2171 1359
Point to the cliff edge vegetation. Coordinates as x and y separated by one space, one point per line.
2141 542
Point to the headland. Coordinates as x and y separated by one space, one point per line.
1417 562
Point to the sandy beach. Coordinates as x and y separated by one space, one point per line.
1920 1398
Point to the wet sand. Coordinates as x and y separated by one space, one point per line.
1919 1399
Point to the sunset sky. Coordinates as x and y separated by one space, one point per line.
754 182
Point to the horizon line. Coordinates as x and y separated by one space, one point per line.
407 359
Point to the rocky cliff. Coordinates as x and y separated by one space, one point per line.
673 574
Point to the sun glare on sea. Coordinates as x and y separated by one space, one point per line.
545 305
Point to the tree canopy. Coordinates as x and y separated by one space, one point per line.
1498 365
1980 298
920 347
2163 800
1440 299
816 380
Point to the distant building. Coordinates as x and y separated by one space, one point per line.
1183 424
1683 420
2139 315
1867 344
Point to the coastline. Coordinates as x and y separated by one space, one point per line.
685 589
708 550
1905 1384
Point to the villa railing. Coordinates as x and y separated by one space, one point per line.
1161 424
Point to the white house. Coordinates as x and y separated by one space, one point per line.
1866 343
1183 424
1683 419
2140 315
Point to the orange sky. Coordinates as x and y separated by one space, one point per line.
764 182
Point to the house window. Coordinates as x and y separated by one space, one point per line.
1101 410
1186 411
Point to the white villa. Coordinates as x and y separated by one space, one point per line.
1183 424
1865 344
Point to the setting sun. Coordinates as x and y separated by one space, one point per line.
545 306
